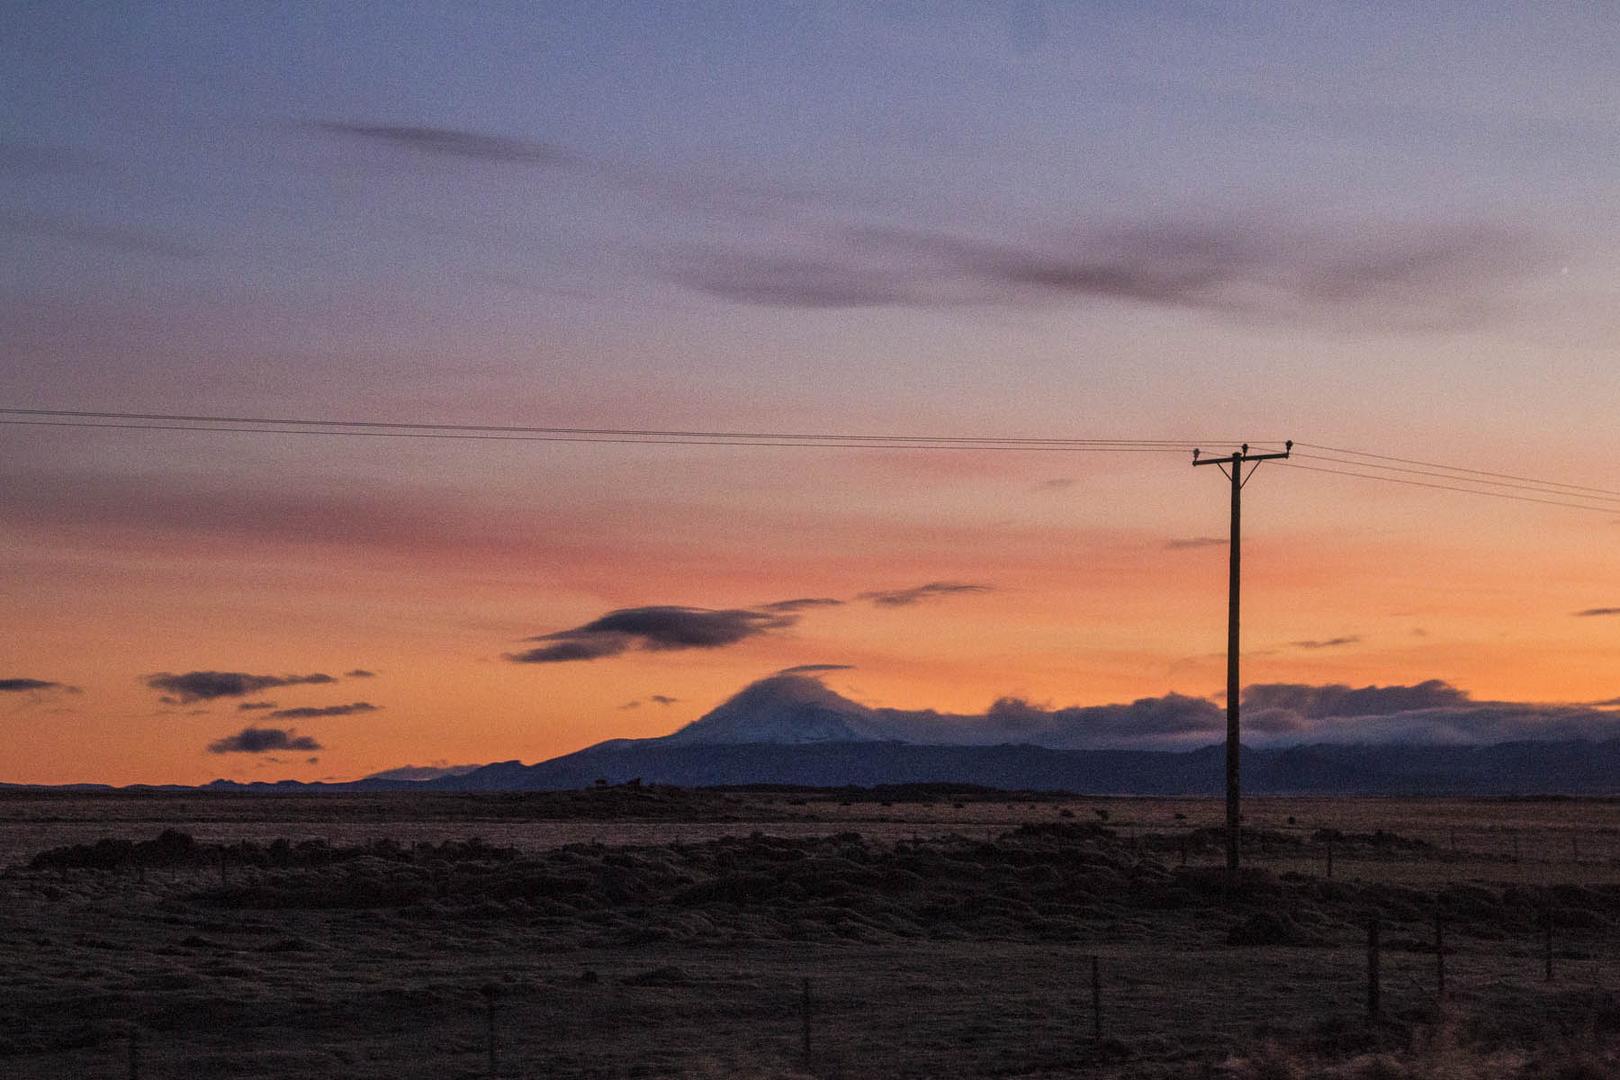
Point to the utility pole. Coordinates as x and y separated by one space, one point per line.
1233 468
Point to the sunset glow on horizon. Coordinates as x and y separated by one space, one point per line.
1198 224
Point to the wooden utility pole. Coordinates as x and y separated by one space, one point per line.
1233 468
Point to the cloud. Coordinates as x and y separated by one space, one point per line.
1190 542
1057 483
662 628
655 699
209 685
319 711
1236 264
802 604
1326 643
113 238
566 651
423 772
656 629
1431 712
453 142
253 706
800 283
1597 612
1338 700
257 740
932 591
810 669
18 685
359 673
794 706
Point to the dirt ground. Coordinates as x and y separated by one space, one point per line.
625 933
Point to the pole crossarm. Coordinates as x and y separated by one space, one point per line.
1236 460
1243 455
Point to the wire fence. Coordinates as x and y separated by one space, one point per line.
367 995
689 1021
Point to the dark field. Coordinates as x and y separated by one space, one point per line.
646 932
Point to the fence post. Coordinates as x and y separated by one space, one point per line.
1372 969
804 1010
1096 999
1330 856
224 872
1440 955
1547 936
1183 849
490 992
134 1053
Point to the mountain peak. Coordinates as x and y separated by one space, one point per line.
784 709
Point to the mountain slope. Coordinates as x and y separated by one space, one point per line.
1508 769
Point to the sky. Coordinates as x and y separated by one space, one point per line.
1387 227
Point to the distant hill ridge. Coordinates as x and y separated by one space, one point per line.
791 729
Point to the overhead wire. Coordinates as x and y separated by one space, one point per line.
614 438
1447 487
236 423
1436 476
1432 473
1458 469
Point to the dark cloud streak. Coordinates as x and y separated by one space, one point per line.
453 142
115 238
257 740
934 590
802 604
316 712
658 628
209 685
33 686
1326 643
1238 265
810 669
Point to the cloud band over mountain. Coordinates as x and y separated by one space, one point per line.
795 706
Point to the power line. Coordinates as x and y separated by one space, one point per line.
235 423
1541 488
1446 487
1482 482
1456 468
1084 447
